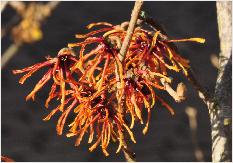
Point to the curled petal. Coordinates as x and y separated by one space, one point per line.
63 118
77 143
51 114
166 105
39 85
51 95
147 123
97 24
130 133
35 67
137 109
95 145
87 41
92 33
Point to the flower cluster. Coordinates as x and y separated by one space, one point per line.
86 83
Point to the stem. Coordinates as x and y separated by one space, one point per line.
129 155
130 30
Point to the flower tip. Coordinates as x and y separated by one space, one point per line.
76 145
71 45
70 135
21 82
173 113
46 105
30 97
45 119
80 36
105 153
14 71
200 40
145 130
59 131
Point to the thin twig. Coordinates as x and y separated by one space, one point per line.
130 30
129 155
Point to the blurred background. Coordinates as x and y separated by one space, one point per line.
25 137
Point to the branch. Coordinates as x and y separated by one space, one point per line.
129 155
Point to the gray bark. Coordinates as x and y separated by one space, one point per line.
221 109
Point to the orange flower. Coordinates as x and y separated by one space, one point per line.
58 71
87 84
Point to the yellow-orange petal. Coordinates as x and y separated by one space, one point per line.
97 24
95 145
130 133
199 40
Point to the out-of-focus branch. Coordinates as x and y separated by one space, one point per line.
192 115
214 60
29 29
221 110
129 155
9 53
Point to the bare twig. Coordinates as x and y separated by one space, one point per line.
192 115
130 30
129 155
